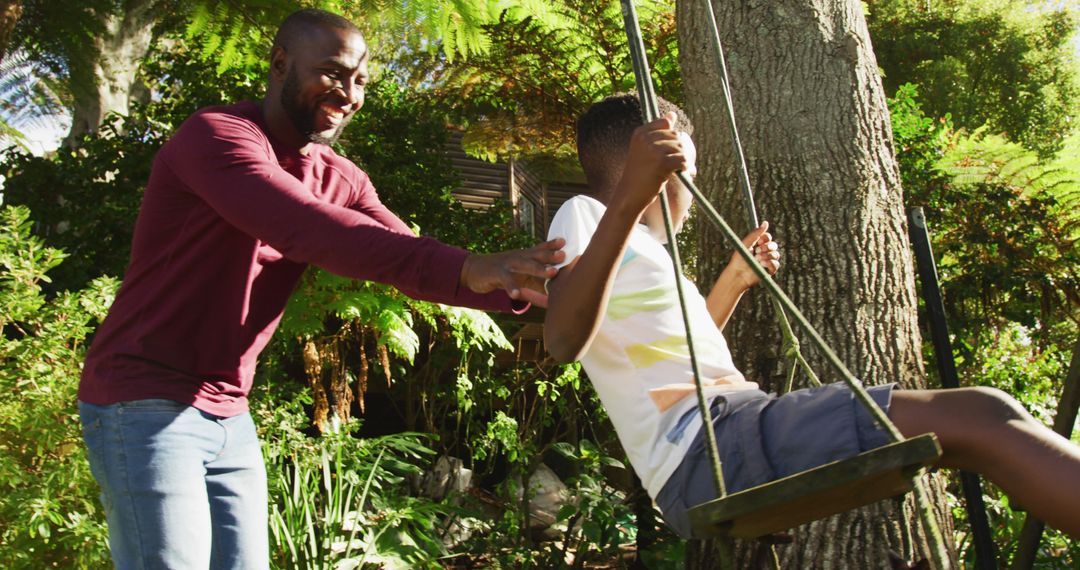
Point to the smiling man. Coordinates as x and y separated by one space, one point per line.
240 201
325 70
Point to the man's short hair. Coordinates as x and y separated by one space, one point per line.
297 24
604 132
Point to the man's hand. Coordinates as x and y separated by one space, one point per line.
765 250
521 272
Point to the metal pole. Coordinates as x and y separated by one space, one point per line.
985 551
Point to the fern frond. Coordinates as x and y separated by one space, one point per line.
32 98
979 159
199 21
234 33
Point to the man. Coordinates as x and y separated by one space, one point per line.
239 201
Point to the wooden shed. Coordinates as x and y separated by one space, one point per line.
482 183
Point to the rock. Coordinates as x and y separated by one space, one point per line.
547 494
448 475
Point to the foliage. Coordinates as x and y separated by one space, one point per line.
522 411
50 514
1019 262
1056 550
521 71
1004 224
1034 376
55 37
1008 64
345 321
82 46
398 139
541 71
339 498
86 198
184 83
226 34
30 99
322 295
600 518
235 35
438 361
533 414
240 33
503 422
920 141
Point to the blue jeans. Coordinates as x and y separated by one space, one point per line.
182 489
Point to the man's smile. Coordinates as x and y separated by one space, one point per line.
333 114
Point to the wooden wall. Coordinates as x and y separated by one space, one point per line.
482 183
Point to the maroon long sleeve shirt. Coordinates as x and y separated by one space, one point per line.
229 221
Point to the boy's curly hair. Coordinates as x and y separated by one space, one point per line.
604 131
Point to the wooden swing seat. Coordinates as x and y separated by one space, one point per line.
832 488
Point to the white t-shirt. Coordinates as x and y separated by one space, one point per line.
639 362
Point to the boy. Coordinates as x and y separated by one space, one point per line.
614 307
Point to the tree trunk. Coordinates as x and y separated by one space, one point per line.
10 11
104 76
818 142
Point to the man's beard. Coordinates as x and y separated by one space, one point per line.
303 119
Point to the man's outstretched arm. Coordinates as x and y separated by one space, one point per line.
520 272
223 160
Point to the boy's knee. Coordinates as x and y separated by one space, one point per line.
970 424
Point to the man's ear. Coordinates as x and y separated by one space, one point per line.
279 63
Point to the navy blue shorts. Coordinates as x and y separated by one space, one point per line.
762 437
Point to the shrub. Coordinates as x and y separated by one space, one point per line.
50 516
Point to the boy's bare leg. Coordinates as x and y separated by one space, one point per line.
986 431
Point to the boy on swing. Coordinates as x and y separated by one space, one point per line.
614 307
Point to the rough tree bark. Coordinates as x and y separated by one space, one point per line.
816 131
104 75
10 11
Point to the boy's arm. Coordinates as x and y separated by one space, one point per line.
737 277
578 296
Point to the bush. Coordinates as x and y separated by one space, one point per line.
342 501
50 516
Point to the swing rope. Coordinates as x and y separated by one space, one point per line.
649 107
790 345
647 96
